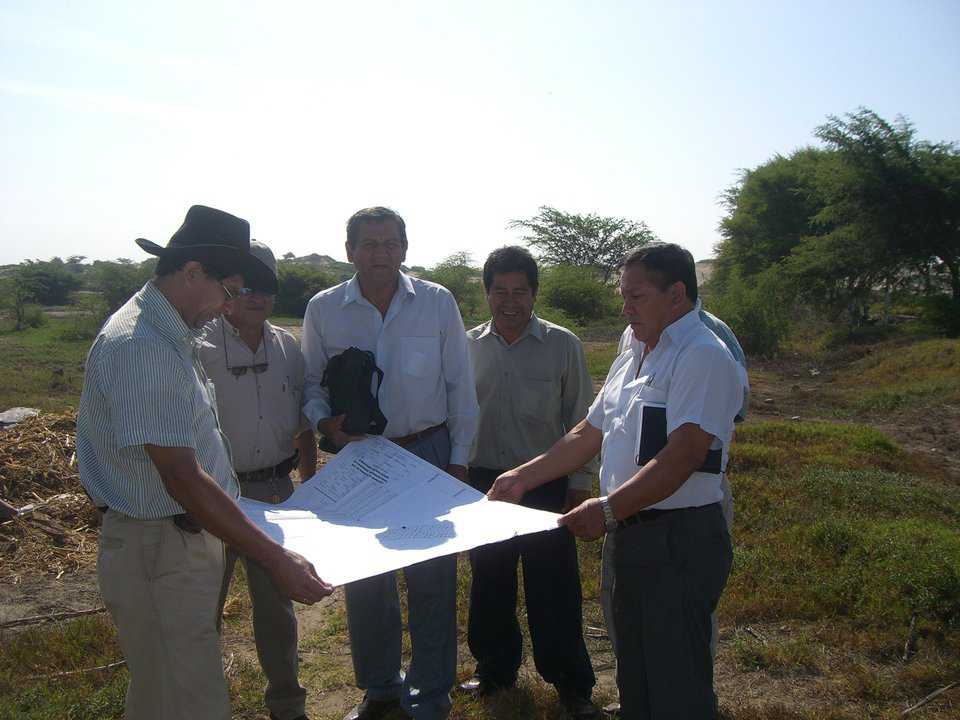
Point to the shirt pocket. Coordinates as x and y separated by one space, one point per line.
655 394
537 400
420 356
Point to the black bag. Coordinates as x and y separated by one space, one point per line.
347 378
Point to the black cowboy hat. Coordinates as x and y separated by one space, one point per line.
206 228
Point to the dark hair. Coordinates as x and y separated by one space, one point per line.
511 258
667 263
376 214
216 263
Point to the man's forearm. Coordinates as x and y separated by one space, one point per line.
661 477
568 454
219 514
306 443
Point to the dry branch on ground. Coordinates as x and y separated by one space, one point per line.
38 473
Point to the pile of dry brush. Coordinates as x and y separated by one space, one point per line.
55 532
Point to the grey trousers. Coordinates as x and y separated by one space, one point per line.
375 623
669 574
274 622
606 575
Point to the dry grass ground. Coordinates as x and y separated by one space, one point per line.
844 601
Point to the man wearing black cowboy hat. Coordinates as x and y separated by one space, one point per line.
153 458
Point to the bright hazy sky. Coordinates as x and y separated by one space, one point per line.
116 116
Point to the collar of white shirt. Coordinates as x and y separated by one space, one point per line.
681 327
352 292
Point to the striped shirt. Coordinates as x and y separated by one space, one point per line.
144 385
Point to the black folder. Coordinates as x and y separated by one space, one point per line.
653 439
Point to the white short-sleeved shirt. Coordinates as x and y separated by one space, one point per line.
719 328
690 372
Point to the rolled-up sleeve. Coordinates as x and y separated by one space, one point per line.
150 395
316 399
463 412
706 389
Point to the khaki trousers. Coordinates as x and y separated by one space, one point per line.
274 621
162 587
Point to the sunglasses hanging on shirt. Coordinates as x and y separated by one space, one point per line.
241 370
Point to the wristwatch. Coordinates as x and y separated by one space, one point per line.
609 521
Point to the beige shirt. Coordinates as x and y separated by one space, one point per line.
530 393
259 412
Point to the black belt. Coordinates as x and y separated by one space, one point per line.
651 514
279 470
184 521
645 516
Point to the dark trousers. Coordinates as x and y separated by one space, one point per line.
551 584
668 577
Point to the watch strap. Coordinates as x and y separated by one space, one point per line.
609 521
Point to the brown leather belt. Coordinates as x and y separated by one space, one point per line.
405 440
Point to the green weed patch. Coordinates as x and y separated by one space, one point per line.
40 368
833 522
600 357
33 688
789 446
892 377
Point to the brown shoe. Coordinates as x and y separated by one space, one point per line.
374 709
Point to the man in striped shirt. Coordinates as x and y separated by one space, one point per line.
153 458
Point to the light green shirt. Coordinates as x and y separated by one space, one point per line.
530 393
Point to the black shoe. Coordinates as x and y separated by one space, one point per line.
478 687
298 717
578 706
373 709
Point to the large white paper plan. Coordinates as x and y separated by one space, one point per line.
375 507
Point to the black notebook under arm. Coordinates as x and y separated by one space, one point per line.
653 439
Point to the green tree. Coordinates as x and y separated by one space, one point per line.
297 284
770 210
897 193
50 280
580 293
582 240
458 275
118 280
757 309
17 291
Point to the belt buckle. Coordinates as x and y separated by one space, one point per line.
185 522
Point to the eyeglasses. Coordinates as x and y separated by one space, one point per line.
250 292
241 370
